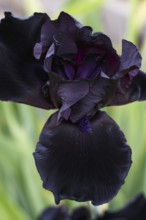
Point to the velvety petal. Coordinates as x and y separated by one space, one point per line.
80 97
21 76
111 66
130 58
101 39
71 92
52 213
83 166
134 210
56 32
88 68
65 93
100 94
69 71
47 32
135 92
68 23
81 213
66 44
112 61
85 34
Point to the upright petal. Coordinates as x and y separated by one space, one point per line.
83 166
101 39
130 58
21 75
68 23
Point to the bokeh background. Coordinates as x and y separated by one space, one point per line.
21 194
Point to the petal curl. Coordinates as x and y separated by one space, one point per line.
100 93
130 58
60 32
21 75
83 166
66 92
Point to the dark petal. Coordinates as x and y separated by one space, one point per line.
81 213
135 92
130 58
83 166
101 39
111 62
85 34
49 58
134 210
68 23
88 68
21 76
47 32
65 93
100 94
66 44
70 93
69 70
111 59
61 32
52 213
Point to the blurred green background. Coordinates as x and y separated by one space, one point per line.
21 193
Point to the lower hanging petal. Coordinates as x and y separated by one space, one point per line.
83 166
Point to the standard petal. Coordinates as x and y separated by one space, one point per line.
130 58
83 166
65 44
61 32
54 214
21 75
68 23
101 39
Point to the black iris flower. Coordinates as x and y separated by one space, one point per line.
61 213
81 154
135 209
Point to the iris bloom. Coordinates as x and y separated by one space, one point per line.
82 154
61 213
133 210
